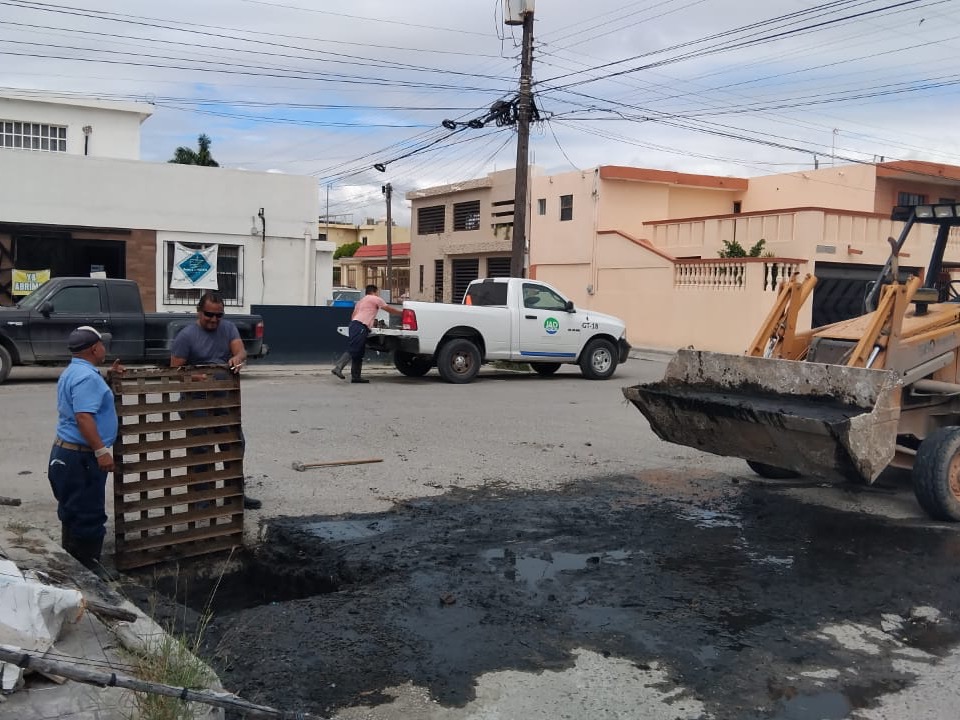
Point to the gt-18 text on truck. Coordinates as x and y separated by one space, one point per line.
35 331
513 319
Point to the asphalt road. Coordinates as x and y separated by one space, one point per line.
527 548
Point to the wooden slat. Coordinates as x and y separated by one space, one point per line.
140 559
151 427
179 384
180 406
178 500
200 533
233 454
145 524
132 487
190 441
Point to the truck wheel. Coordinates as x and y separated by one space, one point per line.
545 368
772 472
599 360
458 361
5 363
411 365
936 474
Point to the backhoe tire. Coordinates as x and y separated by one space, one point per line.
936 474
598 360
541 368
6 362
458 361
772 472
411 365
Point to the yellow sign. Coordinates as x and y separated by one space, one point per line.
26 281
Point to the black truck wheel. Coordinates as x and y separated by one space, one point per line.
411 365
936 474
458 361
772 472
599 359
541 368
6 362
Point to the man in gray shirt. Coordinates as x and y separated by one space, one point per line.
211 341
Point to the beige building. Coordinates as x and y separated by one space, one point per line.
644 244
460 232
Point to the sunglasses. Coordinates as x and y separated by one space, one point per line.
213 314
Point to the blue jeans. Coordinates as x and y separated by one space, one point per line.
79 485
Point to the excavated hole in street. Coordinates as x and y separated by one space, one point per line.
292 564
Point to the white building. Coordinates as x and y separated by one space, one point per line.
76 199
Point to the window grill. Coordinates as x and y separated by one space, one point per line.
430 219
498 267
566 207
33 136
438 280
229 276
466 215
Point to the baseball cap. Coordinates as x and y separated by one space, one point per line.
82 338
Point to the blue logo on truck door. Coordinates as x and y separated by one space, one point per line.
551 326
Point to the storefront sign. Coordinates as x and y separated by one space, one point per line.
26 281
194 268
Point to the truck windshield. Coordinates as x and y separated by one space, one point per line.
486 293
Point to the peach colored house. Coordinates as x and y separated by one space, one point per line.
643 244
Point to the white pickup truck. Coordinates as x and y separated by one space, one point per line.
513 319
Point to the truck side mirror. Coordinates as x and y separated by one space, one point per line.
46 307
569 306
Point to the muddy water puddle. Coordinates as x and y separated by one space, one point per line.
728 592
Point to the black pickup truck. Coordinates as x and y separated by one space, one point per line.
34 332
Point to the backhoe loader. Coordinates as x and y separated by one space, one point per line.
840 402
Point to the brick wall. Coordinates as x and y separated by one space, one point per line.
142 265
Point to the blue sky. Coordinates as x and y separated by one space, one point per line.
710 86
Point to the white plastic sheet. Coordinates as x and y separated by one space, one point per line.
31 616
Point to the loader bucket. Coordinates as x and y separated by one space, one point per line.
830 421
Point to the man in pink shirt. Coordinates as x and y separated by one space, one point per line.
364 313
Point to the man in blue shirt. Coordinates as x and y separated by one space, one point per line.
212 340
81 455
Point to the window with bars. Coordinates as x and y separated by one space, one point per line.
466 215
33 136
566 207
541 206
430 219
421 278
229 276
498 267
438 280
906 198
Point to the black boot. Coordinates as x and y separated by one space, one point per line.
88 551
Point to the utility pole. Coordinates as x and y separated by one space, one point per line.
388 192
520 199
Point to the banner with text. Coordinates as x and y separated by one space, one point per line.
26 281
194 268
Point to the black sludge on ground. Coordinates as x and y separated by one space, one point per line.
729 592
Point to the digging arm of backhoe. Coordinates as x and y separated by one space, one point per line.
778 336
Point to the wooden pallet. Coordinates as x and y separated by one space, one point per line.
178 484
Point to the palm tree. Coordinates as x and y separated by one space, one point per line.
188 156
